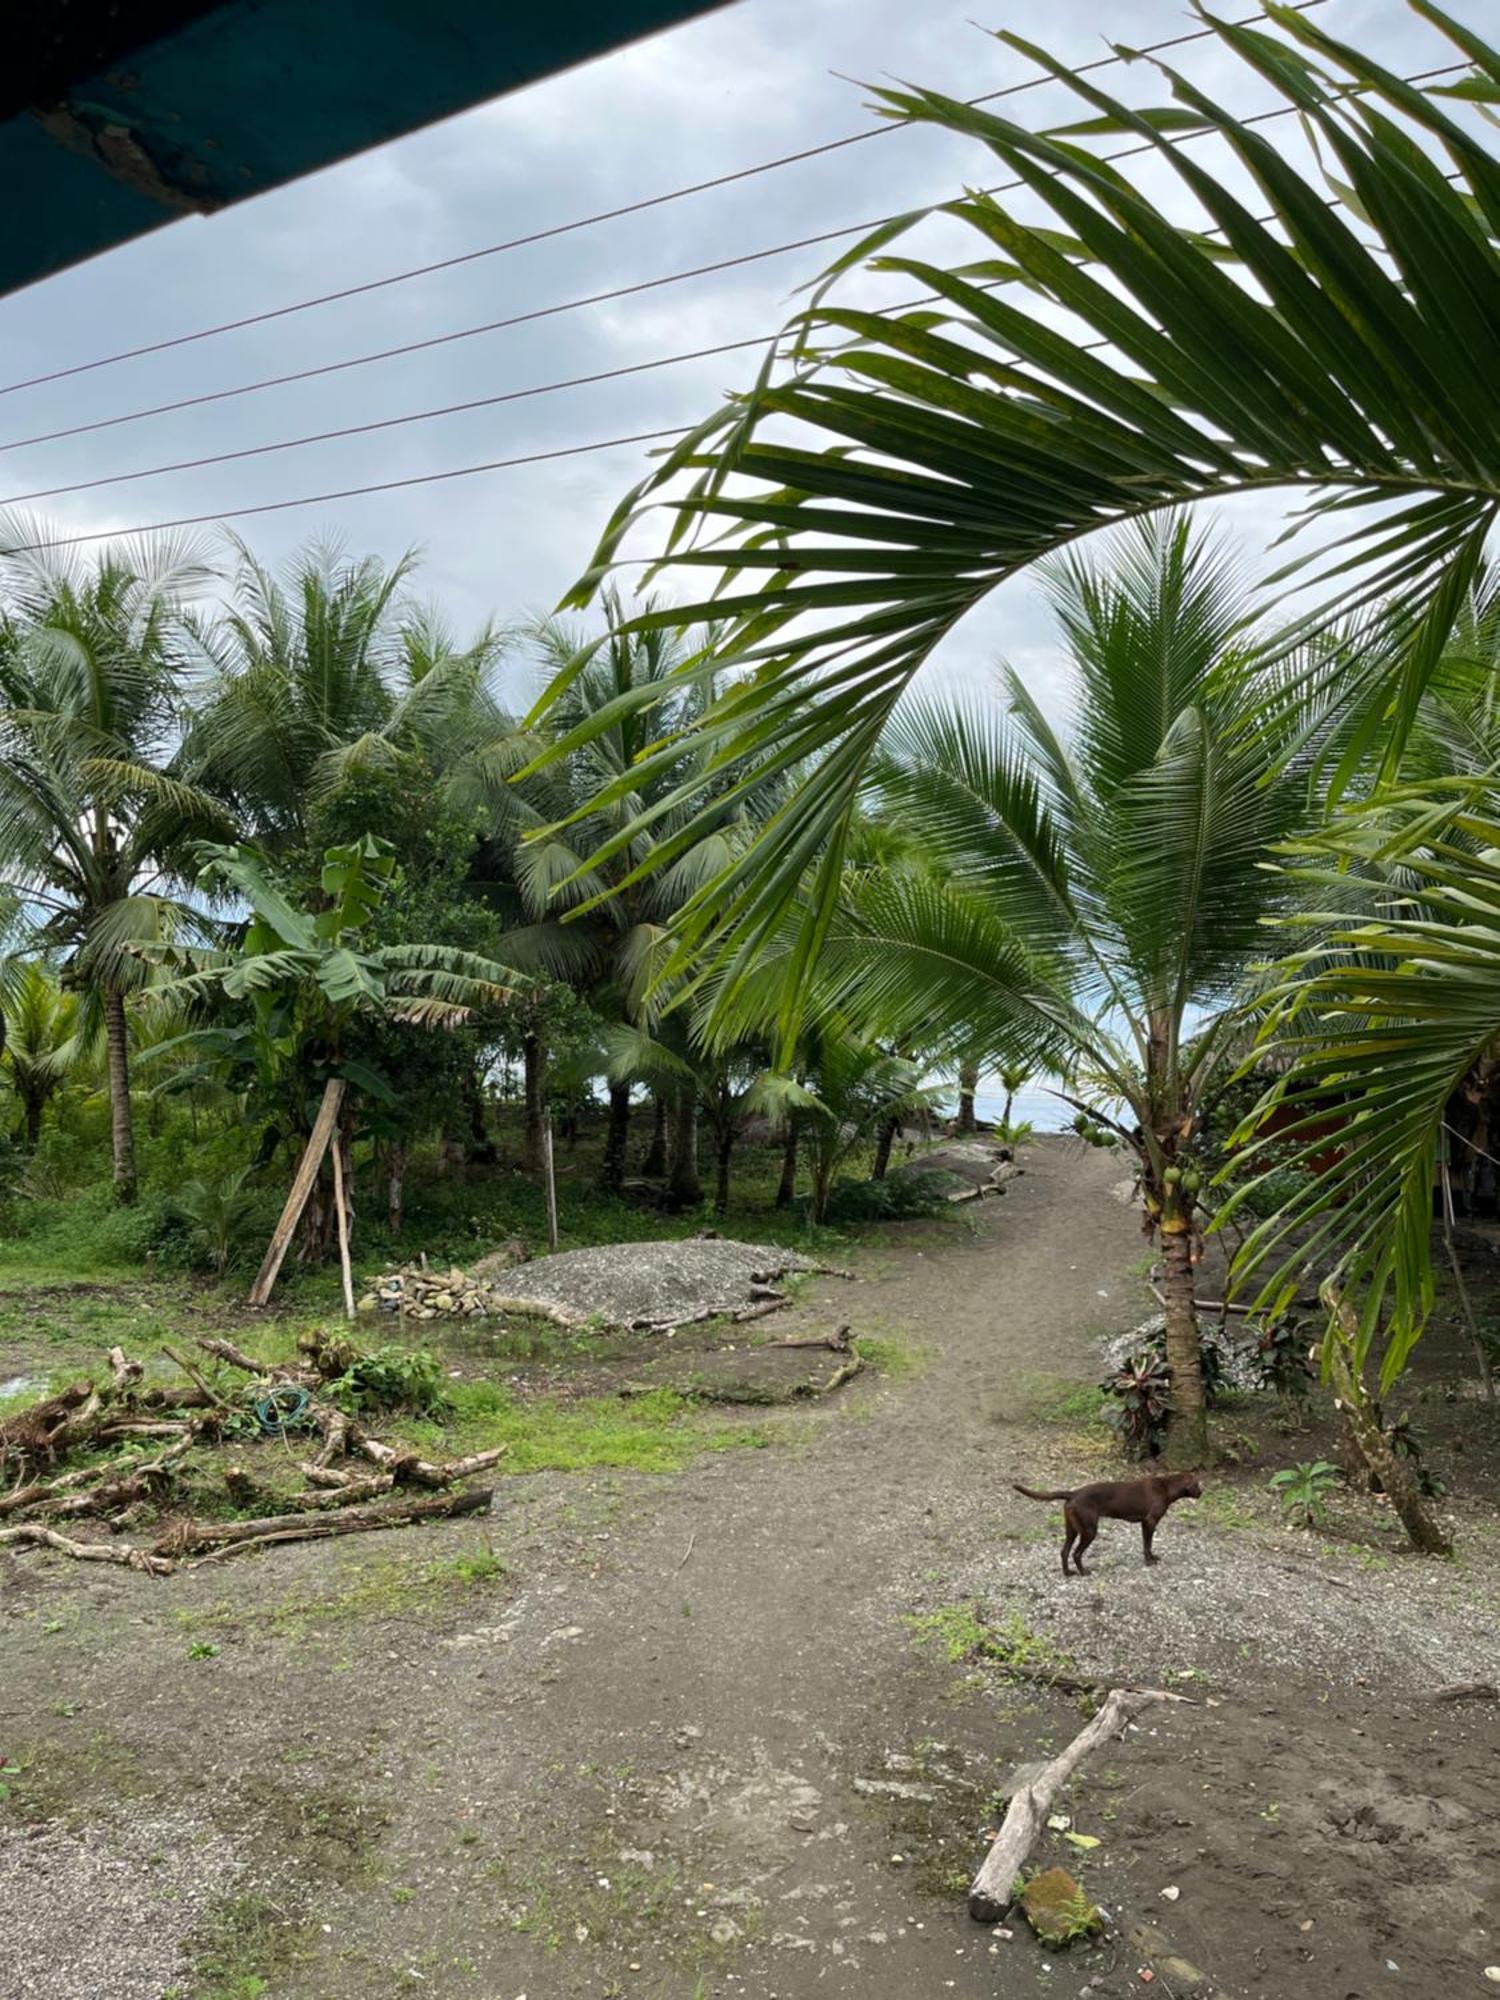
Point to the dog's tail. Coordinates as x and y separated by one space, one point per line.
1032 1494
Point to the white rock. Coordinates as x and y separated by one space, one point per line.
1171 1894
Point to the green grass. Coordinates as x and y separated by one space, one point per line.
961 1632
658 1432
897 1359
364 1588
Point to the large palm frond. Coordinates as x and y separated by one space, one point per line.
1375 1027
860 500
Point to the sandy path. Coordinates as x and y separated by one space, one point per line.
748 1690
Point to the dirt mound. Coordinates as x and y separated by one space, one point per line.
655 1285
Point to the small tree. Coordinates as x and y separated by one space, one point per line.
335 978
42 1043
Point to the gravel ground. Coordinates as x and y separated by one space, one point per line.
141 1883
653 1284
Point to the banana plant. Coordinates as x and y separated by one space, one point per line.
320 961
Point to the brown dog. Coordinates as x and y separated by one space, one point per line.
1144 1500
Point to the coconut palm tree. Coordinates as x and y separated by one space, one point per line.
1318 329
41 1042
1099 901
94 808
323 668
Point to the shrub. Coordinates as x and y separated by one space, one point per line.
1282 1360
217 1215
1304 1489
898 1198
393 1378
1140 1393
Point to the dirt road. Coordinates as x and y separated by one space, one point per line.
692 1743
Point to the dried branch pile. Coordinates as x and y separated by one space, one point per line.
129 1489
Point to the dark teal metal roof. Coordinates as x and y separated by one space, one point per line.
116 115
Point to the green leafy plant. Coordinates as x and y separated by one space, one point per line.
1140 1402
1304 1489
393 1378
1282 1358
217 1215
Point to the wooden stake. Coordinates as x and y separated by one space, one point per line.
342 1215
301 1188
551 1180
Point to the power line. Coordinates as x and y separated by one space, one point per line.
527 458
508 396
589 221
536 313
343 493
384 423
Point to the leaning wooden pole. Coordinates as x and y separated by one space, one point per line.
550 1173
302 1186
341 1214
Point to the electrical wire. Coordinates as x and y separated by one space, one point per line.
490 465
431 341
343 493
590 221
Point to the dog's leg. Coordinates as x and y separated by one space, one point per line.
1069 1538
1148 1529
1086 1534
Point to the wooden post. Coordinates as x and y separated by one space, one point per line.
551 1181
341 1215
302 1185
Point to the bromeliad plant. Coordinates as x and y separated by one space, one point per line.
315 970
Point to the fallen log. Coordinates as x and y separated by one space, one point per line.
992 1890
225 1537
1467 1691
837 1342
759 1312
122 1554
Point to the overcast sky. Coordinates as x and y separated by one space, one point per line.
737 87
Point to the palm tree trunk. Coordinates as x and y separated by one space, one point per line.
481 1148
968 1083
887 1140
786 1193
536 1097
122 1129
654 1161
1187 1437
616 1139
1010 1098
684 1188
33 1106
1370 1440
395 1185
822 1186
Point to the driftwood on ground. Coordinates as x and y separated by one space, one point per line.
180 1538
117 1492
991 1893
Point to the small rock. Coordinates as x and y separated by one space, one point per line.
1183 1975
1170 1894
1056 1908
1492 1974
